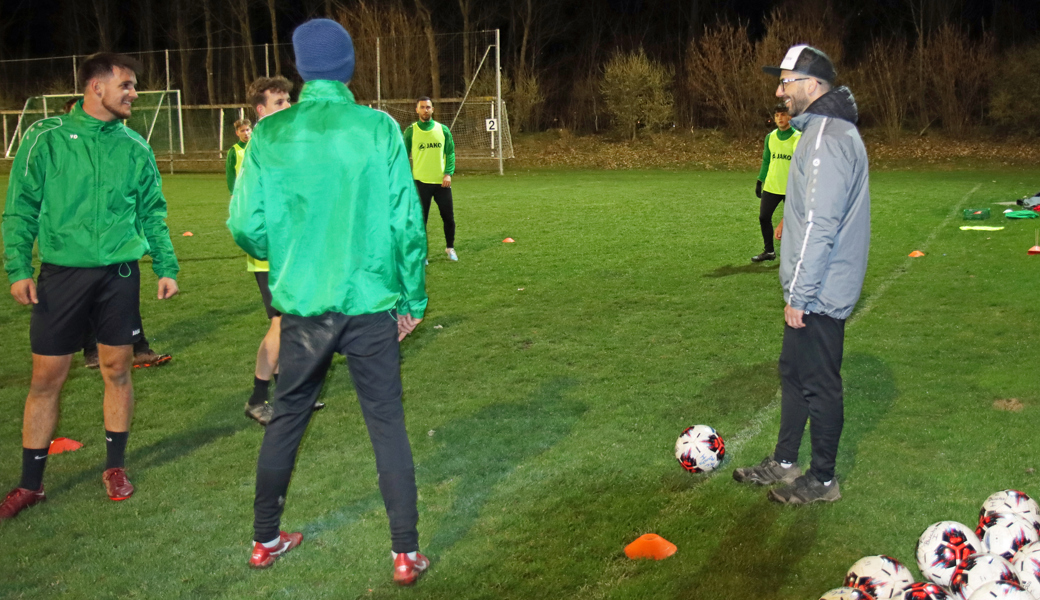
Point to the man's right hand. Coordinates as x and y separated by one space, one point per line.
24 291
405 325
758 189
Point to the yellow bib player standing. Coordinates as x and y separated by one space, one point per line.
432 151
771 186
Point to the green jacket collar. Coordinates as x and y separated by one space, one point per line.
326 91
428 125
80 117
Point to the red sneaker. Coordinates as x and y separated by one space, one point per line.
408 571
117 485
264 557
18 499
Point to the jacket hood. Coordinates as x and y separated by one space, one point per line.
838 104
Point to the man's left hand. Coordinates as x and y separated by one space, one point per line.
793 316
446 182
167 288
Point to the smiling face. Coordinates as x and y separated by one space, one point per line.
111 96
274 101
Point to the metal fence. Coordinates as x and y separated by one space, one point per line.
391 71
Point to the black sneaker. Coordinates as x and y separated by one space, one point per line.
764 257
806 490
767 472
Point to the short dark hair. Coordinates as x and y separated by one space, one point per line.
781 109
424 99
242 123
102 63
256 93
67 108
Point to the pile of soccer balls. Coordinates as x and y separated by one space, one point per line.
999 559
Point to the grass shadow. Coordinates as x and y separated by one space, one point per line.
209 429
755 554
481 450
727 270
870 392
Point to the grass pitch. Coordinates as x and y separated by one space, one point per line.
544 392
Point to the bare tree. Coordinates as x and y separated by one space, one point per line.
207 14
431 40
245 31
183 45
274 36
466 8
104 24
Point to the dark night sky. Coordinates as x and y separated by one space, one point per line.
37 28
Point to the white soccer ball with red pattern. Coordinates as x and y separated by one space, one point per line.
880 576
923 591
700 449
977 570
1008 501
1001 590
941 547
1027 567
846 593
1006 533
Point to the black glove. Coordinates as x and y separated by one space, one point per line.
758 189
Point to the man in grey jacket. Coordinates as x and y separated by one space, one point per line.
822 264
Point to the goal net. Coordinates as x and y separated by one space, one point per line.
156 116
472 123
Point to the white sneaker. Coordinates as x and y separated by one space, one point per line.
451 254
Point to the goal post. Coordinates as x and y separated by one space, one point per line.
156 116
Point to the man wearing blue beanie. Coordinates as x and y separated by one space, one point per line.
325 195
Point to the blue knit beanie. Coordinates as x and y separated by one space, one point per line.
323 50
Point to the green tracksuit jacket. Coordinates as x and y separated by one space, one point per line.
91 192
326 196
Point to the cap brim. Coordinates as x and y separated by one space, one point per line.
774 71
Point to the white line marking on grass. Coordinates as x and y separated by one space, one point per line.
754 426
767 413
898 271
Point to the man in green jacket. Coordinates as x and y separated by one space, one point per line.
432 149
326 197
88 189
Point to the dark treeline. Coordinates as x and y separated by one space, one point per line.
914 64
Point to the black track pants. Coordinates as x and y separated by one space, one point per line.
810 375
370 345
442 195
765 218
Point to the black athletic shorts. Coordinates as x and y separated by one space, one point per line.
73 299
265 293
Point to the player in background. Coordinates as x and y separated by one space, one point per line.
347 272
772 178
101 210
267 95
144 356
237 153
432 150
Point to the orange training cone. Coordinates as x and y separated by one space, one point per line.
59 445
916 254
188 234
1036 249
508 241
650 545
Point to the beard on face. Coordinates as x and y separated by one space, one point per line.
116 106
796 105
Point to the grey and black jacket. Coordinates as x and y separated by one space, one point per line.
827 212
